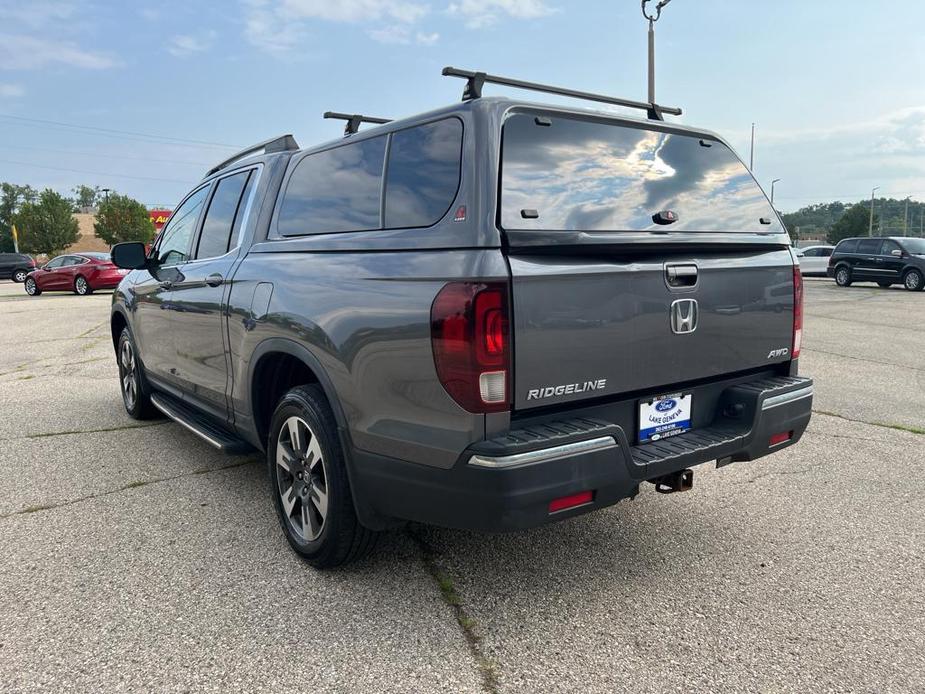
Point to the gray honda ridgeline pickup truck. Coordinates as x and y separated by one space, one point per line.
491 316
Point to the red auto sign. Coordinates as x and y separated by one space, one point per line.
159 218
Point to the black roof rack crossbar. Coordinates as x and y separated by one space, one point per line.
475 81
283 143
354 120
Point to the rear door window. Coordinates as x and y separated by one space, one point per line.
335 190
571 173
423 173
215 238
847 246
869 246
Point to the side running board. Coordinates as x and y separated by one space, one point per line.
197 423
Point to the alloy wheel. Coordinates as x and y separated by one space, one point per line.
842 276
913 280
302 479
19 276
30 287
128 372
81 286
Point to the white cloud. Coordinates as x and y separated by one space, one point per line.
150 14
402 35
20 52
279 26
480 13
185 45
11 91
36 13
846 161
354 10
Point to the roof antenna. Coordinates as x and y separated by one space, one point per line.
655 112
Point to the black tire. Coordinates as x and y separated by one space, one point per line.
82 286
885 285
310 481
32 289
132 381
843 276
19 275
914 281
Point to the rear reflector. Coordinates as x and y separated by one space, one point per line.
782 437
567 502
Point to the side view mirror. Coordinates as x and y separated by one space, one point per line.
800 254
898 253
129 256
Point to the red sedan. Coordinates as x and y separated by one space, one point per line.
80 273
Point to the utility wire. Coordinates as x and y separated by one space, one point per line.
113 132
80 153
96 173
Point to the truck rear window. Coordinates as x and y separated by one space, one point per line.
568 173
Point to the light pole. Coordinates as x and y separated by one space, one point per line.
772 190
653 18
870 226
751 152
105 192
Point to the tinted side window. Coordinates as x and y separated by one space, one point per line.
847 247
55 262
871 246
335 190
826 252
423 173
175 240
220 217
811 253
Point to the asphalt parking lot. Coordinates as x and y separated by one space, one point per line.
138 558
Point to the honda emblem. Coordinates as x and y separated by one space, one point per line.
684 314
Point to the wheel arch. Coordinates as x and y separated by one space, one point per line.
118 321
285 362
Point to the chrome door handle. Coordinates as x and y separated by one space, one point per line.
214 280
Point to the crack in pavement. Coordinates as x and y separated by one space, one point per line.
131 485
781 473
862 322
865 359
885 425
29 437
467 624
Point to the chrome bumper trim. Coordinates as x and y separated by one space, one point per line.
544 455
787 398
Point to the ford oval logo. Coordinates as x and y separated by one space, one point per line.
666 405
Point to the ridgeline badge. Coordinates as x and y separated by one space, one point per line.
569 389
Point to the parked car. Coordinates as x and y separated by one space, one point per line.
15 266
884 260
814 260
489 316
81 273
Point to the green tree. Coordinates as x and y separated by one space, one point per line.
86 196
47 226
11 198
855 222
120 218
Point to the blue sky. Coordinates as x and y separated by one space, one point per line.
836 88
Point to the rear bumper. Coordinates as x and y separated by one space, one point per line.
509 482
106 280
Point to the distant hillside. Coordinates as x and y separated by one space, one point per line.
816 221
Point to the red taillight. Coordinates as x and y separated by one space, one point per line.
567 502
797 312
782 437
469 332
